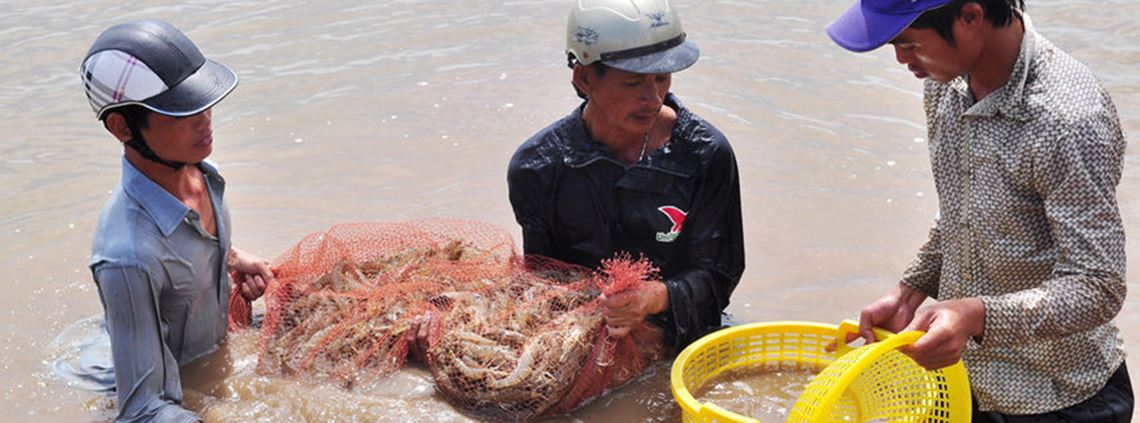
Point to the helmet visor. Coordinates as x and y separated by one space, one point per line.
672 55
198 92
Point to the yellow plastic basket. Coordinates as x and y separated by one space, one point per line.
871 382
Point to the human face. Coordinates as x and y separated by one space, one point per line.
927 55
629 101
187 139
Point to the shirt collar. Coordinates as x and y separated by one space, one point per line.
1008 100
166 211
584 149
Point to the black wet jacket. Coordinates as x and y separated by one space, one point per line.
679 206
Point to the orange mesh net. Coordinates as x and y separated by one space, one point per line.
508 338
241 311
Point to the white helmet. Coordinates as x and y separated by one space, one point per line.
640 36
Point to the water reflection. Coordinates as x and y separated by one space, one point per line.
393 110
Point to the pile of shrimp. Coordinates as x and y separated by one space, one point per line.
355 320
507 340
514 351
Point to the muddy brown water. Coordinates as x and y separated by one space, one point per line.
392 110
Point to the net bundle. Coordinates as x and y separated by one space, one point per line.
508 337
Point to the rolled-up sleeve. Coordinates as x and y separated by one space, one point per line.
147 378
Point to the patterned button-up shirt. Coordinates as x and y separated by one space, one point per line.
1029 224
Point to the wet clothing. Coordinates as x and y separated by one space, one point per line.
679 206
1029 224
165 290
1112 404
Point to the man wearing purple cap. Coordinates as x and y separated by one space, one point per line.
1027 257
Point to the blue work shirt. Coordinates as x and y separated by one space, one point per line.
164 287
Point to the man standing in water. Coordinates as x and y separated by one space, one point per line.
632 170
161 255
1027 257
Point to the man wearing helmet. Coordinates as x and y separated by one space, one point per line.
161 254
631 169
1026 257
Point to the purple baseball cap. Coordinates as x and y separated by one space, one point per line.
869 24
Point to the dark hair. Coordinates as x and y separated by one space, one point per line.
599 69
135 115
998 12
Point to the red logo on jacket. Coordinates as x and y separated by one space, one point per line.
675 215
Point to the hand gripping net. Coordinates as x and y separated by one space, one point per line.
509 338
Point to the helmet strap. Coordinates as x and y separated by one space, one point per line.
139 144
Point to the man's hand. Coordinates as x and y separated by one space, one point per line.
421 333
626 309
891 312
949 325
251 273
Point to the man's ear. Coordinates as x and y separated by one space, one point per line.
116 124
972 13
582 78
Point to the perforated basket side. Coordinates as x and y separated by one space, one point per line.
761 345
877 382
826 398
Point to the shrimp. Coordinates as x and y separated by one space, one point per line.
576 339
490 353
473 338
509 337
533 353
472 371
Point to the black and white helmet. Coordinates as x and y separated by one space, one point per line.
152 64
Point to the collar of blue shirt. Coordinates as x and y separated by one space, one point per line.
160 204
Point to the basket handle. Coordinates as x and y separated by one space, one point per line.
884 339
850 326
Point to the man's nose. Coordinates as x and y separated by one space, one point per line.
651 91
203 119
902 56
